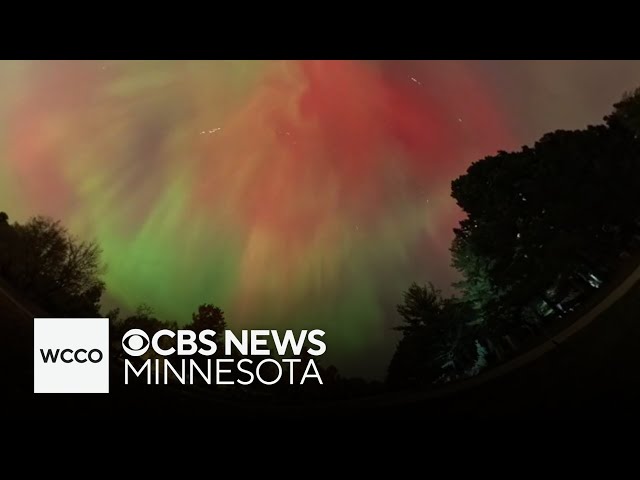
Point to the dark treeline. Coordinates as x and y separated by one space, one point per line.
545 227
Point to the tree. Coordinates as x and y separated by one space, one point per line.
422 306
541 223
541 217
438 338
209 317
60 271
144 319
476 286
8 242
626 112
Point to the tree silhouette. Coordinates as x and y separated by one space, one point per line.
210 317
44 260
438 338
626 112
544 225
546 216
8 243
421 308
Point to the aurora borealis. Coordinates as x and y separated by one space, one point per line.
290 194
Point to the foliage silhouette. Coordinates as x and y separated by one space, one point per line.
544 227
437 343
42 259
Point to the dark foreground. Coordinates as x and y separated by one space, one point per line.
594 372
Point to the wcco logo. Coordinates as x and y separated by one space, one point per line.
71 355
80 356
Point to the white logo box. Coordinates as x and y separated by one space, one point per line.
76 355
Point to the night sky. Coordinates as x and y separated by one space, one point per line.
290 194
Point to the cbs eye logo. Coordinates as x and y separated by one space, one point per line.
135 342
